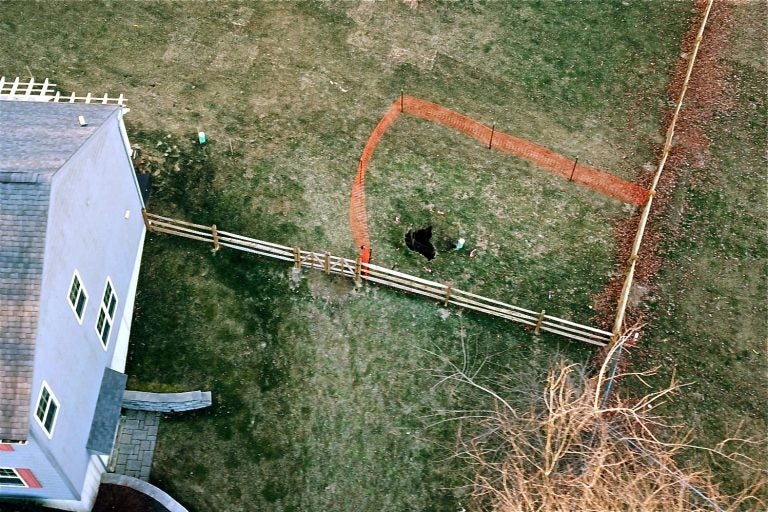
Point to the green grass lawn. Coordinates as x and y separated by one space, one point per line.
322 398
524 222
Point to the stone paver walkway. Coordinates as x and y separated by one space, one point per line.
135 445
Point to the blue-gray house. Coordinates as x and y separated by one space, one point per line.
71 239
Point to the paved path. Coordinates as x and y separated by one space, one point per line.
136 444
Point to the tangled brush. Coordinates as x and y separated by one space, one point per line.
567 448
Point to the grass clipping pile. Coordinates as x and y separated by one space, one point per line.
563 449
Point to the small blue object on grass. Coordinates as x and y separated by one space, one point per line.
201 137
460 244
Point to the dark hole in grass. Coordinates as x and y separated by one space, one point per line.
419 240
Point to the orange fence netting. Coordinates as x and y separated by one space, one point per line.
540 156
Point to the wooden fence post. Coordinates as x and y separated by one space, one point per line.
575 163
493 129
327 263
145 216
539 322
215 233
358 268
296 257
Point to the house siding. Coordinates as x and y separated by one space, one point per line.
120 354
89 492
87 230
32 456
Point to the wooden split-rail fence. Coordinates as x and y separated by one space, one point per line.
360 271
618 323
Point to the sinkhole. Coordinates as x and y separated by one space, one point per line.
419 240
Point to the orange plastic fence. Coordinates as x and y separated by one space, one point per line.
595 179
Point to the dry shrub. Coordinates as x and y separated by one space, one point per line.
564 449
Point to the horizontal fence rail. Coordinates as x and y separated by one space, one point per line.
360 271
621 310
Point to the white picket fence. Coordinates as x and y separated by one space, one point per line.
30 90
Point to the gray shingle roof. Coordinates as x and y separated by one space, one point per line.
101 440
36 139
23 218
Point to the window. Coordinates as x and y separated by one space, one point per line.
10 478
77 296
47 409
6 445
106 313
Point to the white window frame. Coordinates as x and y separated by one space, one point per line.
16 475
52 399
108 319
82 292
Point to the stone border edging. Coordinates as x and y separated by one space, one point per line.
145 488
166 402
